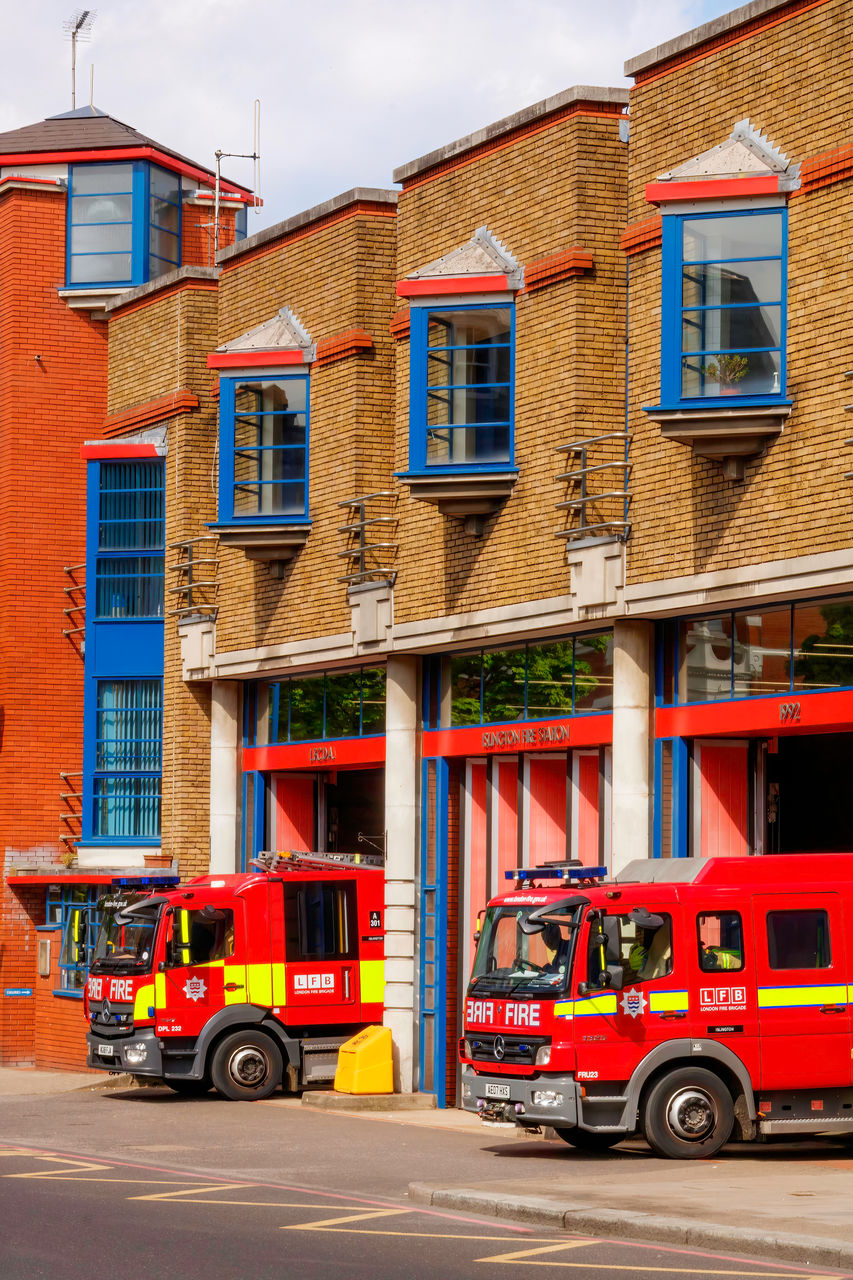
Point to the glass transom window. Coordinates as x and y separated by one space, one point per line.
730 314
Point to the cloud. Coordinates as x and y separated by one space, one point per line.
348 89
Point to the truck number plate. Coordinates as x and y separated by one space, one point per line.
497 1090
106 1050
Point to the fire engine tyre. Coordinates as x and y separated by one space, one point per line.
688 1115
586 1140
246 1066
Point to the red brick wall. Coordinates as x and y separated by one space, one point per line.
48 407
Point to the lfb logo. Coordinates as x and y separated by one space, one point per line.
194 988
715 996
314 982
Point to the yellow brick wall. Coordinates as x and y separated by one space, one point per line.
542 194
160 348
686 517
338 278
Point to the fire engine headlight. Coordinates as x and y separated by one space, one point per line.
466 1048
136 1054
543 1056
547 1098
467 1091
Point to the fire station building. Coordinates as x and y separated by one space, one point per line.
502 517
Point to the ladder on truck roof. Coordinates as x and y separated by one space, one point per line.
299 860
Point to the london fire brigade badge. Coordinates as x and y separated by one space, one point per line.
633 1003
194 988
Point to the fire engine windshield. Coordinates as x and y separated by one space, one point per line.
125 942
510 962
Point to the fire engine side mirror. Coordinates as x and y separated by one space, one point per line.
478 928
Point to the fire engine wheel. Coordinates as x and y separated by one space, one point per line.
585 1140
689 1114
246 1066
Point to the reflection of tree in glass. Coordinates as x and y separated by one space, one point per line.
465 688
586 681
503 685
373 701
549 679
343 695
306 709
833 666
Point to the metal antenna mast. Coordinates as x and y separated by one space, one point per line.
79 27
238 155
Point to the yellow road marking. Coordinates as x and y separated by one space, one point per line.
351 1217
197 1189
399 1235
80 1166
518 1254
640 1267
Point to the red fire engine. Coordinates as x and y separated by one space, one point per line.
240 982
693 1002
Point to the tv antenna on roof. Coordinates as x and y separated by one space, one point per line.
79 27
254 155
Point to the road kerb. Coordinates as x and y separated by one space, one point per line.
629 1225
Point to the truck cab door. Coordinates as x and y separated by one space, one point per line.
191 979
803 1014
321 951
615 1027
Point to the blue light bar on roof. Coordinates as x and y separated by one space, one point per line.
141 882
557 873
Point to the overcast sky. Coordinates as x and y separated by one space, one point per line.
348 91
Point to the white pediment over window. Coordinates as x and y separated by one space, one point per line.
747 153
483 255
284 332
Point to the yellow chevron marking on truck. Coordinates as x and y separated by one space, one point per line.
792 997
143 1001
372 979
668 1001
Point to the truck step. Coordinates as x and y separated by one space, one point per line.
815 1124
610 1097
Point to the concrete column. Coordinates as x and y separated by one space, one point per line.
632 727
401 823
224 780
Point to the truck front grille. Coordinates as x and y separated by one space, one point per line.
510 1049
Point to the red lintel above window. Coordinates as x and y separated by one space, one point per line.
253 359
440 285
712 189
111 449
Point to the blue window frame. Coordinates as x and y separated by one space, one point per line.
241 223
124 223
263 467
63 901
724 302
462 377
128 759
129 568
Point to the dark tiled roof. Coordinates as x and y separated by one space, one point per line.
87 129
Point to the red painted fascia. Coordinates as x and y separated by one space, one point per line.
24 880
509 739
95 154
341 753
712 189
25 177
814 713
451 284
253 359
115 449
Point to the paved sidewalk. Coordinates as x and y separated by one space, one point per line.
789 1202
19 1081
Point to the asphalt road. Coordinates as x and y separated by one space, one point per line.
144 1184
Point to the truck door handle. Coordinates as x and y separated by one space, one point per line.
233 986
833 1008
346 984
670 1017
